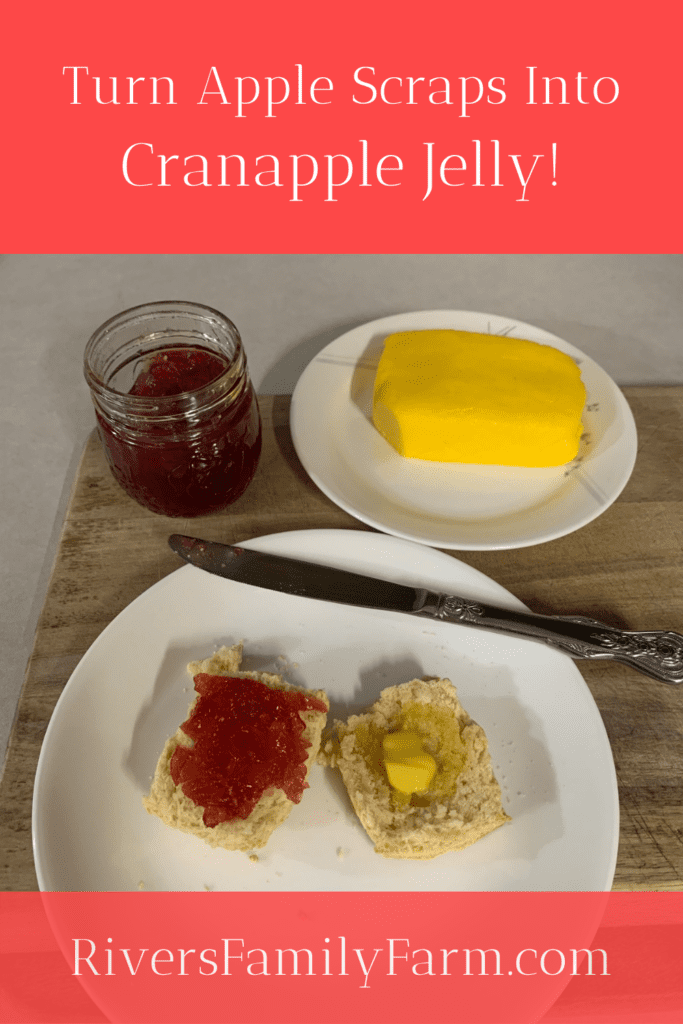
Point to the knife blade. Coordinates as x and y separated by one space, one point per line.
656 653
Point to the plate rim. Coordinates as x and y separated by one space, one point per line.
393 321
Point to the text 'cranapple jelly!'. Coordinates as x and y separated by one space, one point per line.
175 407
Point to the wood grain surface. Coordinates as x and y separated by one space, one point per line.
625 568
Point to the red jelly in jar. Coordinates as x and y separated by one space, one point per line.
175 408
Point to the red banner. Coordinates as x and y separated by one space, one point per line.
269 127
351 958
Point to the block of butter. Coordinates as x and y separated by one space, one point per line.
456 396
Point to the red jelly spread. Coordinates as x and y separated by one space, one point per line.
176 371
248 738
195 459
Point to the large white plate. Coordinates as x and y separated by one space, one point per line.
456 505
131 689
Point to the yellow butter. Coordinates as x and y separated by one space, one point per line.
409 768
401 744
456 396
411 778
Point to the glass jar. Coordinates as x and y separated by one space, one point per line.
175 407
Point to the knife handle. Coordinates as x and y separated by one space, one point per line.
658 653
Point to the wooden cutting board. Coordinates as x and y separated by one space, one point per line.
625 568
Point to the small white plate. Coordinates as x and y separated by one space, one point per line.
452 505
130 691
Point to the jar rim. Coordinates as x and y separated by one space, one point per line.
97 383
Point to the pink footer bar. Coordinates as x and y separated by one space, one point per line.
341 958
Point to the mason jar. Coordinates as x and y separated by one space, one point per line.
175 408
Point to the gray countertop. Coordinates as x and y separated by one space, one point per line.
624 311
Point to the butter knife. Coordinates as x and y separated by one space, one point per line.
658 653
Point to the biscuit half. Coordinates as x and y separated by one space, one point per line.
425 828
167 801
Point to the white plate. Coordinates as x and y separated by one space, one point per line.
452 506
131 690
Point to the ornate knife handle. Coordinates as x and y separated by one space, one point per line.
658 654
